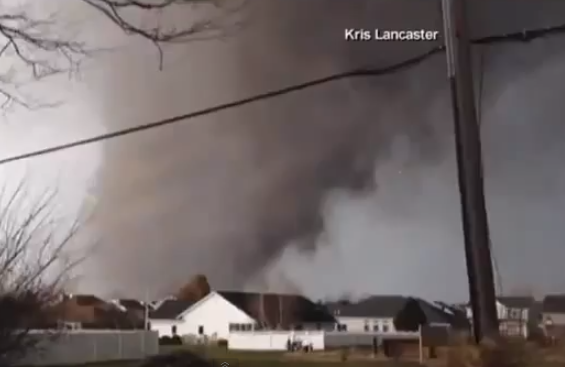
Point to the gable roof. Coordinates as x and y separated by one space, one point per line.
389 306
554 303
373 306
517 301
444 314
278 309
170 309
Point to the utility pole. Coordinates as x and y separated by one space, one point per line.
470 171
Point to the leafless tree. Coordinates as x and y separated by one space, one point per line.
33 45
34 265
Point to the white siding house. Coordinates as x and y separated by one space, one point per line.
377 314
221 312
365 323
164 319
165 327
514 315
212 317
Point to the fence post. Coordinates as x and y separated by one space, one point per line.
420 345
120 352
142 339
94 348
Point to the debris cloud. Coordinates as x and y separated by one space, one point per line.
316 172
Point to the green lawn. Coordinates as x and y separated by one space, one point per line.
263 359
274 359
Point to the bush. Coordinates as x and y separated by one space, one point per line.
165 340
176 340
222 343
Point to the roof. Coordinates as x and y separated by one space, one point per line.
443 314
93 312
170 309
278 309
131 304
390 306
374 306
554 303
84 299
517 301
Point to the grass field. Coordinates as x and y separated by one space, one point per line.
264 359
219 356
317 359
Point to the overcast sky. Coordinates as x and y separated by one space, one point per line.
229 194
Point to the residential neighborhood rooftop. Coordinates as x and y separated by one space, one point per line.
170 309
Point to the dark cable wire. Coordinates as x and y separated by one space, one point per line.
522 36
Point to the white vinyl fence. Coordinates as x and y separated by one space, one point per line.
275 340
84 346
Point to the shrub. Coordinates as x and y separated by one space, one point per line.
222 343
165 340
176 340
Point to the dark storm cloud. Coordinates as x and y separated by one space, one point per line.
224 195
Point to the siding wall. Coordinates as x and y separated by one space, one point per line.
356 324
164 327
79 347
214 314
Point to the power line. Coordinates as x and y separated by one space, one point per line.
514 37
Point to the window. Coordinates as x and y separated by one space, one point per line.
376 327
174 330
201 330
515 314
385 328
341 327
366 326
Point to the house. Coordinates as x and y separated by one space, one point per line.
88 311
553 315
136 310
378 313
222 312
515 315
167 316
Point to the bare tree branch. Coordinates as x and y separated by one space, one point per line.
36 49
33 271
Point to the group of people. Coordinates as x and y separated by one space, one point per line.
298 345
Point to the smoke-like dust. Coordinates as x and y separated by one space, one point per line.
364 166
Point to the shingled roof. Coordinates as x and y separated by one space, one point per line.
374 306
388 306
170 309
554 303
278 309
523 302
